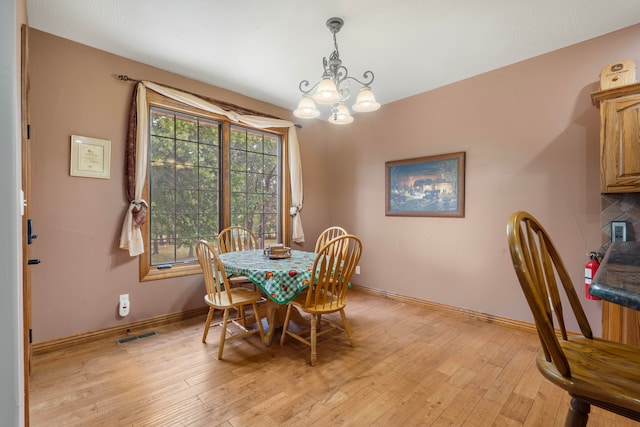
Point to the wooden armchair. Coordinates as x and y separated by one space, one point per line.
221 296
334 265
593 371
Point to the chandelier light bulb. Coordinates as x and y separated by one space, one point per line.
327 92
366 101
306 108
340 115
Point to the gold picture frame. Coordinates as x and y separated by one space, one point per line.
90 157
426 186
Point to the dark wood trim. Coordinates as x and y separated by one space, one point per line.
114 331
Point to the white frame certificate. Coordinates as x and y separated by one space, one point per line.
90 157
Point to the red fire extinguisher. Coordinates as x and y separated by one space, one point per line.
590 269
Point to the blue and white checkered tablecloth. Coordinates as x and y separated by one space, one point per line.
281 279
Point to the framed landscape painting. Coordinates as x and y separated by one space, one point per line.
426 186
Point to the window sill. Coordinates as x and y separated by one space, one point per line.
177 270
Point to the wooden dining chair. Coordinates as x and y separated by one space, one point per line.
592 370
334 265
233 239
221 296
327 235
236 238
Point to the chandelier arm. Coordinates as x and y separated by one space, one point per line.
305 84
366 75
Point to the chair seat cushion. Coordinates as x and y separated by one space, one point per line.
614 368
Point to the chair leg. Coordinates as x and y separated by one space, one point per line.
314 353
578 414
285 327
346 327
223 332
243 317
207 325
259 321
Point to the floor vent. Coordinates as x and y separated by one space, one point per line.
136 337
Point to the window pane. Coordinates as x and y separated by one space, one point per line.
186 177
208 227
162 177
257 176
208 179
184 196
208 202
186 250
270 205
254 142
186 153
238 139
208 156
238 160
186 128
271 145
209 133
238 182
187 201
162 234
162 149
238 204
162 123
186 226
163 201
255 163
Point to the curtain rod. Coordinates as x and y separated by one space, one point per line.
222 104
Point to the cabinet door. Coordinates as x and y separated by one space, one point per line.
620 324
620 145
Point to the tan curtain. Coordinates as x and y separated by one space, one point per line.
138 143
131 236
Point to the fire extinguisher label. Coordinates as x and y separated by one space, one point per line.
587 274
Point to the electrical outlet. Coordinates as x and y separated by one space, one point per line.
618 231
357 269
123 307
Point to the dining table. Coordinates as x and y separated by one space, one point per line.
280 278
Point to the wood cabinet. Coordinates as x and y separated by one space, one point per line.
619 138
619 173
620 324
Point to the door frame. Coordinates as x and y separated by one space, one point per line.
26 188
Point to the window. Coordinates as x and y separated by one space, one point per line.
254 177
205 174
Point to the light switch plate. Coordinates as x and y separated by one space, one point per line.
618 231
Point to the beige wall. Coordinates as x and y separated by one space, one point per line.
531 137
529 131
75 92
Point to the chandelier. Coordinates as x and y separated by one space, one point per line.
333 88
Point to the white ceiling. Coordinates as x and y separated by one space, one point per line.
264 48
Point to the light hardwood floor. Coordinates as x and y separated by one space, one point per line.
412 366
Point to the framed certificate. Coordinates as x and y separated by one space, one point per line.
90 157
